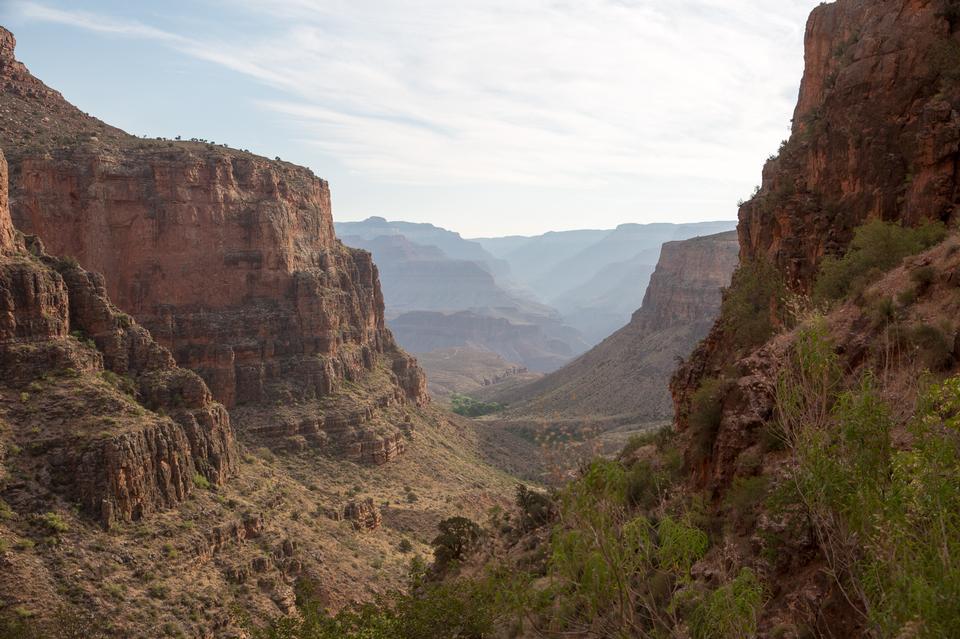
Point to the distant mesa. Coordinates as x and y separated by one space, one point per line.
627 375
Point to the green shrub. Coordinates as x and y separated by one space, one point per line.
923 277
706 413
907 297
458 538
936 348
55 523
752 306
469 407
876 247
883 311
201 482
730 611
887 518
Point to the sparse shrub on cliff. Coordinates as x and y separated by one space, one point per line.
752 305
55 523
65 623
934 345
743 498
201 482
706 411
923 278
730 611
876 247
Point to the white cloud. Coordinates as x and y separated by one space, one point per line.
557 93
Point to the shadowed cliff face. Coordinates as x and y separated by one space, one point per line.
229 259
875 134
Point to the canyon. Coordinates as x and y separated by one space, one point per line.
214 416
204 409
621 386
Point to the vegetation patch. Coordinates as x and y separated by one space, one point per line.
470 407
876 247
752 306
888 519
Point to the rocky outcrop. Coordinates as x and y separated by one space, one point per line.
685 287
56 323
875 133
627 374
230 260
363 514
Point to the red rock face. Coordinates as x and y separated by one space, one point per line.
229 259
6 225
876 134
137 461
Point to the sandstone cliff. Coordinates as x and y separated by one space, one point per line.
229 259
876 135
627 374
122 430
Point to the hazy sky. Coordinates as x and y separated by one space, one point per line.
489 117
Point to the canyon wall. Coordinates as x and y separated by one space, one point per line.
627 374
122 429
875 133
229 259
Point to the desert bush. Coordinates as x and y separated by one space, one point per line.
730 611
201 482
935 347
706 412
536 508
458 537
456 609
752 306
55 523
876 247
923 278
887 519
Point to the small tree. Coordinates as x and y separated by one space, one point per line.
458 537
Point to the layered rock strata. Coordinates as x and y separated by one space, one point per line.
124 431
229 259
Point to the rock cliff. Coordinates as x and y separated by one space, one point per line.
122 429
875 133
229 259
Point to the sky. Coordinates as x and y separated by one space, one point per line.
488 117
